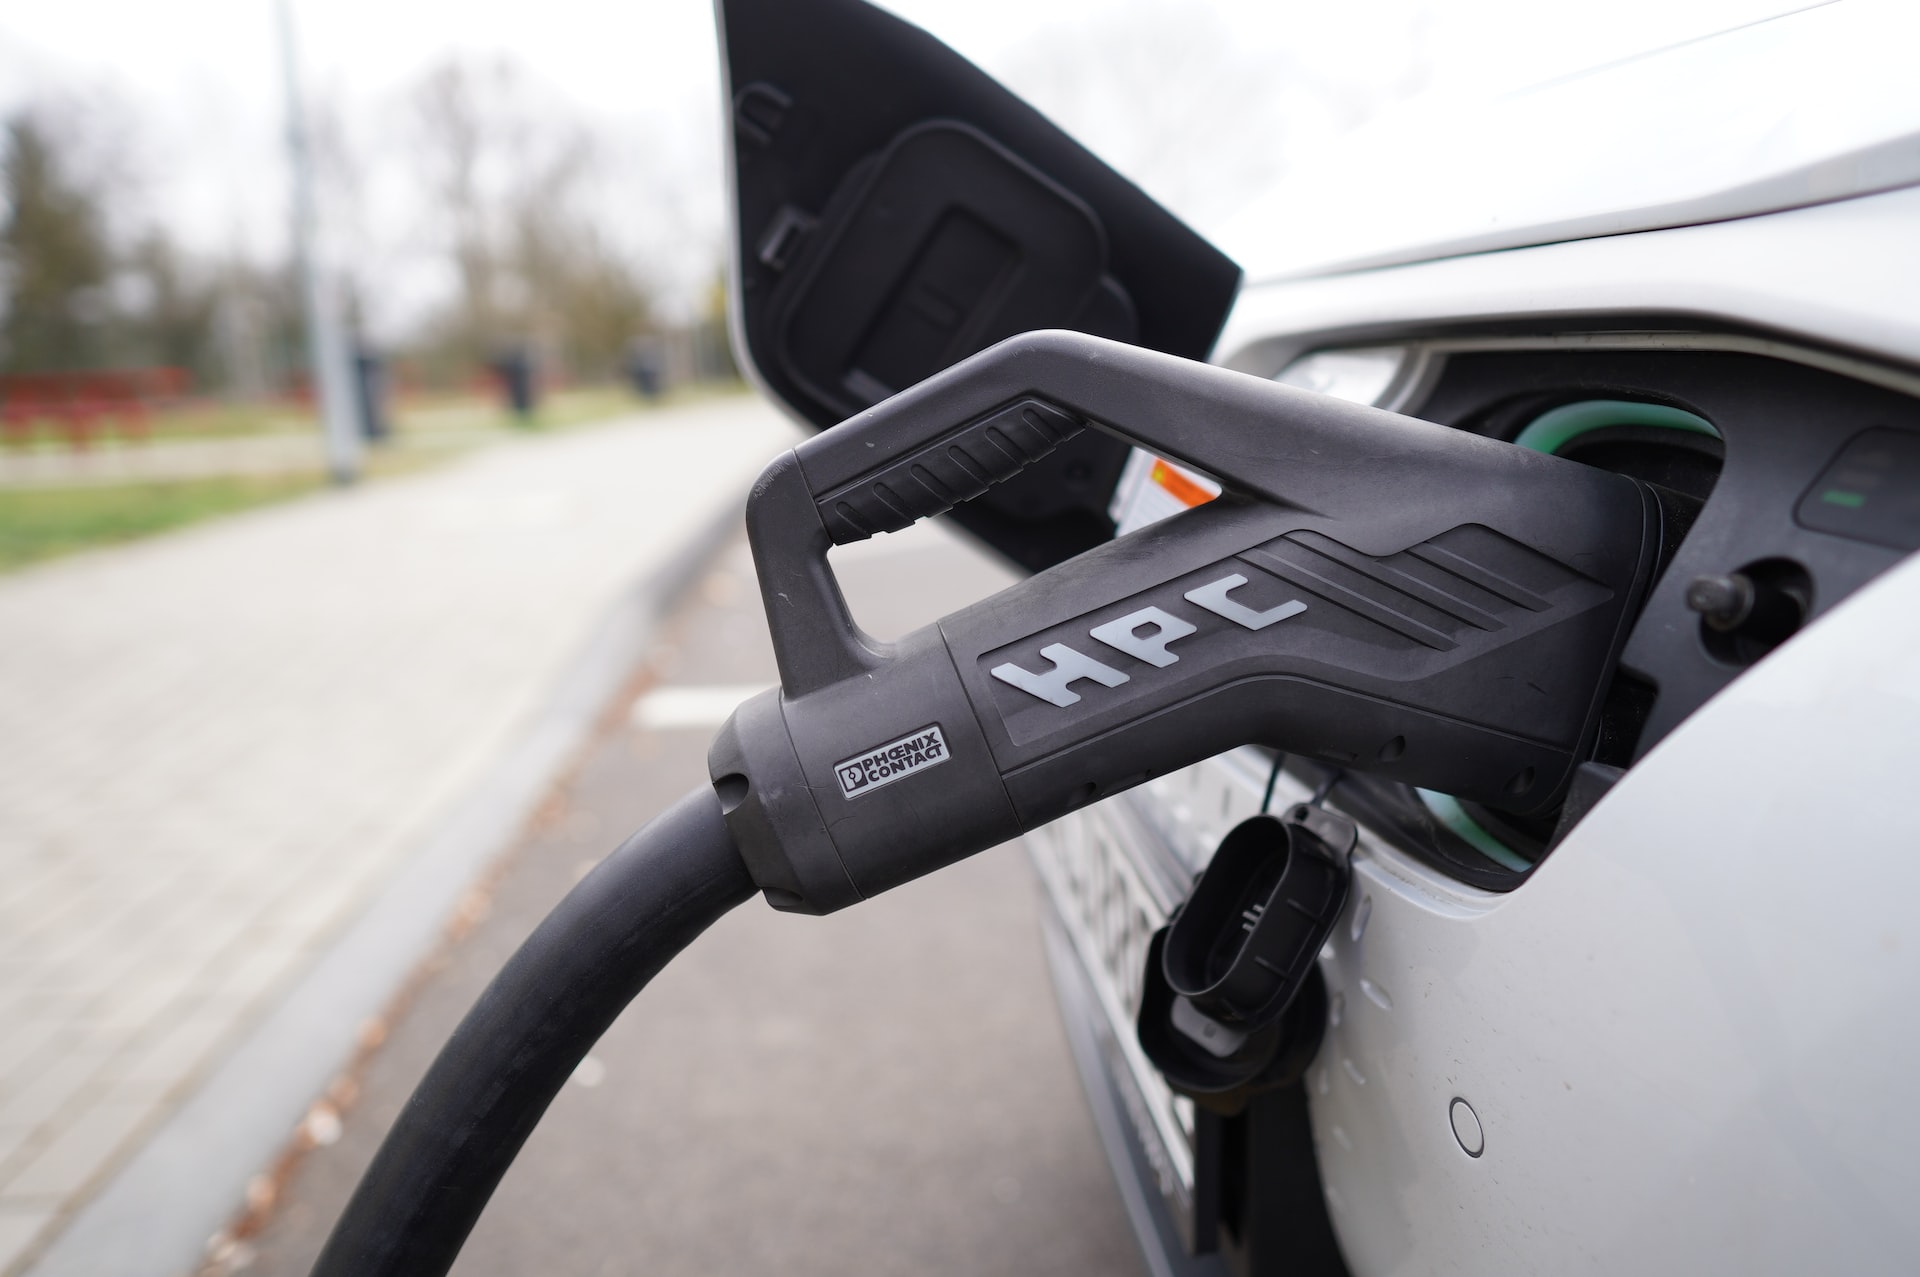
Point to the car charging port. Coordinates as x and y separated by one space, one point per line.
1232 1002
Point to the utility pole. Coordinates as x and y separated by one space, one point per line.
326 343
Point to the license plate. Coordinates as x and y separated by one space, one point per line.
1109 910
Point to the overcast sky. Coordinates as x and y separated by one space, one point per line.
1197 101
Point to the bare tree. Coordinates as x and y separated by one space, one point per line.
453 140
510 171
55 253
92 279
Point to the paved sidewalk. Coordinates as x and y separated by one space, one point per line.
217 746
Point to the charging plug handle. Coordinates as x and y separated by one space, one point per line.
1370 590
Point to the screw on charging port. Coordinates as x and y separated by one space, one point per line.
1746 614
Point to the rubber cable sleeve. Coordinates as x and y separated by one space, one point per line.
515 1049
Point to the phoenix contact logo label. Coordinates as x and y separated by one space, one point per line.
884 764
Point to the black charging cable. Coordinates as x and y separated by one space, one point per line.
1273 778
1319 796
490 1084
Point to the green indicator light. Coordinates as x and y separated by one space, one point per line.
1841 497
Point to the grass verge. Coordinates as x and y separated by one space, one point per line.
42 522
39 523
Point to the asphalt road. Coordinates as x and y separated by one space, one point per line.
885 1090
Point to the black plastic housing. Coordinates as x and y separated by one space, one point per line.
896 209
1370 590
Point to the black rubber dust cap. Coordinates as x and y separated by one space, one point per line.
1241 946
1233 1003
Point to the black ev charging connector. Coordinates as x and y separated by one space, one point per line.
1368 590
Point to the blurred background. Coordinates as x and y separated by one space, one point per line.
504 191
416 313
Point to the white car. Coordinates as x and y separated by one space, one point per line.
1671 1027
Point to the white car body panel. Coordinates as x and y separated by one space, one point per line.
1690 1037
1797 109
1845 273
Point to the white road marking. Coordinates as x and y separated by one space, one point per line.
671 708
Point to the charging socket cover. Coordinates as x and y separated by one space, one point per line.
1233 1002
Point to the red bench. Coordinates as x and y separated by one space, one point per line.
79 404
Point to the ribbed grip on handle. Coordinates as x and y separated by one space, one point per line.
959 465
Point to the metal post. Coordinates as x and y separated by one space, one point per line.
326 343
